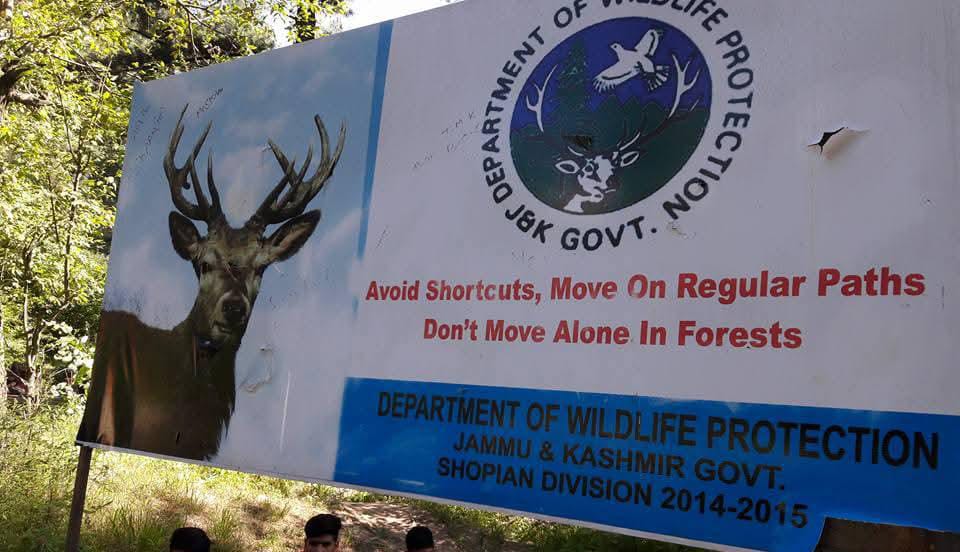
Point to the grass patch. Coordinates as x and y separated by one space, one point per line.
135 502
489 531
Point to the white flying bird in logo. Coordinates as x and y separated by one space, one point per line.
631 63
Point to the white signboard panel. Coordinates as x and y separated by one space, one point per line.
680 268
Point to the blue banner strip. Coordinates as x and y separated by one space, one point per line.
756 476
373 138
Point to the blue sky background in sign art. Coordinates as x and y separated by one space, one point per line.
597 40
271 95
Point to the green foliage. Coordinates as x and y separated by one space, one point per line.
36 463
223 530
72 357
313 18
137 530
133 503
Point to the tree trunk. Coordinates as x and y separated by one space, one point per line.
25 311
68 242
31 333
10 74
3 360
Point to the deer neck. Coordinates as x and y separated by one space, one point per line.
197 329
208 360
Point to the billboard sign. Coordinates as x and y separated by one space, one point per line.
683 269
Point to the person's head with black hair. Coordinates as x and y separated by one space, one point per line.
189 539
322 533
419 539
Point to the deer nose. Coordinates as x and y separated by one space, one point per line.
234 311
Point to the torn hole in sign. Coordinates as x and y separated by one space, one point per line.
252 384
832 143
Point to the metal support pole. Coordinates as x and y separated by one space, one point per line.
79 499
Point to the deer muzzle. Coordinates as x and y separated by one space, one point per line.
234 311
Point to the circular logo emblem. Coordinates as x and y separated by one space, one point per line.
610 115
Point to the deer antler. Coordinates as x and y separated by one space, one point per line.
682 88
276 209
682 85
537 104
204 210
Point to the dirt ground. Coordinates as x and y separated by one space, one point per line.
375 527
367 526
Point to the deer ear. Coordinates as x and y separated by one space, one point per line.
289 238
568 166
629 158
185 236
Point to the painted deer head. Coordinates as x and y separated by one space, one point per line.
596 172
230 262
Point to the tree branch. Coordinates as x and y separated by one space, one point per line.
140 32
25 98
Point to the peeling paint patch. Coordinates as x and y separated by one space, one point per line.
675 228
